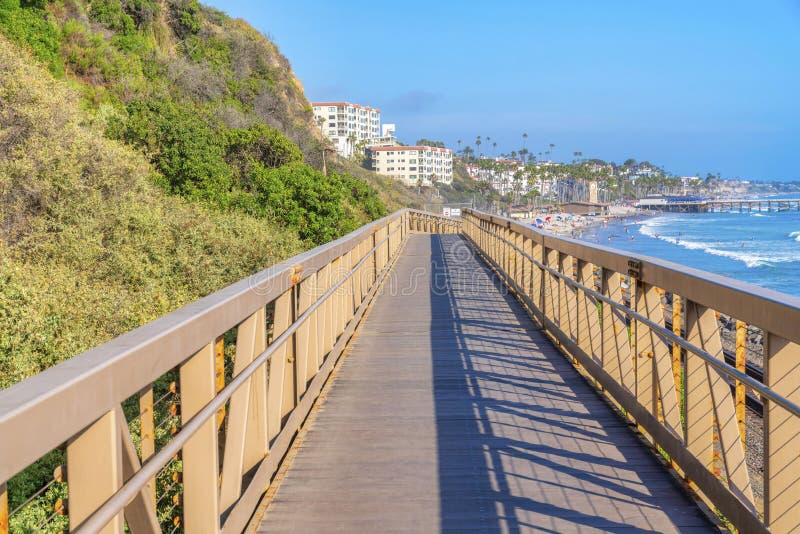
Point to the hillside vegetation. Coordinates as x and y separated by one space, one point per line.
151 152
208 100
89 246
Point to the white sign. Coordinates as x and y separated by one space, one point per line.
446 212
455 212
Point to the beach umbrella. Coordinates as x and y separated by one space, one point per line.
547 218
538 220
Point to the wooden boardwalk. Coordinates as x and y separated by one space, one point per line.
452 412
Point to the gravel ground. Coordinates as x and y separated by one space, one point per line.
754 453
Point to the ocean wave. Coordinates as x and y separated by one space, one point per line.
751 258
795 235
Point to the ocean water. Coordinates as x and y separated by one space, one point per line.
761 248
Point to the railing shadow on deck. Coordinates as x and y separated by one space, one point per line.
475 484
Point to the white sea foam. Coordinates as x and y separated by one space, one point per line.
751 258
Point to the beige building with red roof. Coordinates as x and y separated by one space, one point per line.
410 164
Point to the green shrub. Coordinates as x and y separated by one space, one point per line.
261 143
180 141
31 28
186 13
110 13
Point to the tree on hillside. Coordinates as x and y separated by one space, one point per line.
478 144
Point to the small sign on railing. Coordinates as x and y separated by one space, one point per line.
634 269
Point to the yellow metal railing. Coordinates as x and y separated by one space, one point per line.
609 311
181 424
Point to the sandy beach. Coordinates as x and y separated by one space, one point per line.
567 224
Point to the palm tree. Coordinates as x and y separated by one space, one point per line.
459 145
477 145
552 146
524 140
494 146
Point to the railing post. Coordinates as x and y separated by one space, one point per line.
200 453
568 297
655 361
588 315
741 366
246 437
781 436
147 432
552 304
704 384
519 261
3 508
526 268
676 349
94 467
306 335
616 347
699 423
280 390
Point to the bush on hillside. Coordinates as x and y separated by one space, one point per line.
181 142
89 247
263 144
30 27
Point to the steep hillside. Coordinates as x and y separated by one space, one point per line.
207 99
89 246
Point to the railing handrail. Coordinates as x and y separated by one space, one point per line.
771 310
717 363
117 502
73 394
674 385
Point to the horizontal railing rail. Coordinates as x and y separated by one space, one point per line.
662 331
255 354
608 310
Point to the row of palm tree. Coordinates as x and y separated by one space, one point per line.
523 153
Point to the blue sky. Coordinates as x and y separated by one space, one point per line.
694 86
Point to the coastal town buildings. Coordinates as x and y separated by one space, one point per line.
347 124
501 173
413 165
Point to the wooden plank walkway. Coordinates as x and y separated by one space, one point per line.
452 412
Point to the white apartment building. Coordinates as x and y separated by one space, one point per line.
346 124
412 163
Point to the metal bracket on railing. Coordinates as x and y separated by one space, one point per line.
297 275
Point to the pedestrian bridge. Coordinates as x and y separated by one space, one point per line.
424 374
